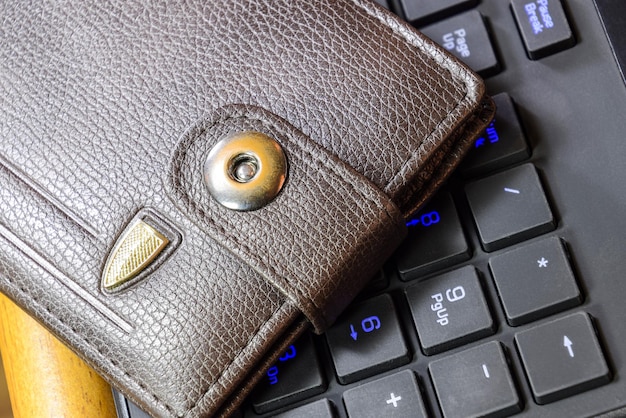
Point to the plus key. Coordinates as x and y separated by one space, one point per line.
397 395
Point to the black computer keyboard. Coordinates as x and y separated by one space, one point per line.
507 296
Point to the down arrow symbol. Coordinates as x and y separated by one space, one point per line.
353 333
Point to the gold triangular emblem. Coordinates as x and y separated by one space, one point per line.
133 252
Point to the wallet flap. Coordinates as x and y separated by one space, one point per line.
325 208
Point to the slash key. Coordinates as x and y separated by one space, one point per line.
509 207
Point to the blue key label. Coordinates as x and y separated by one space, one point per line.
272 373
491 134
369 324
426 220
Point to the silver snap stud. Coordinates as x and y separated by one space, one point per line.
244 167
245 171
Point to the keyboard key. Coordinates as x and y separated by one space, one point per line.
475 383
509 207
543 26
318 409
534 281
367 340
450 310
562 358
435 240
466 37
296 376
501 145
422 11
397 395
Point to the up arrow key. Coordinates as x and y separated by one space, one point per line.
567 343
551 372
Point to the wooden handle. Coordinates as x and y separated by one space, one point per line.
45 378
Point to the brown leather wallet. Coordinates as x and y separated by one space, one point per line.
186 186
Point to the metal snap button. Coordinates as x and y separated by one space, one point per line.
245 171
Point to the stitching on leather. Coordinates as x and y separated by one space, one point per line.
412 156
409 42
75 333
267 124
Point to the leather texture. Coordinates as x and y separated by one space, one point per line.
108 111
